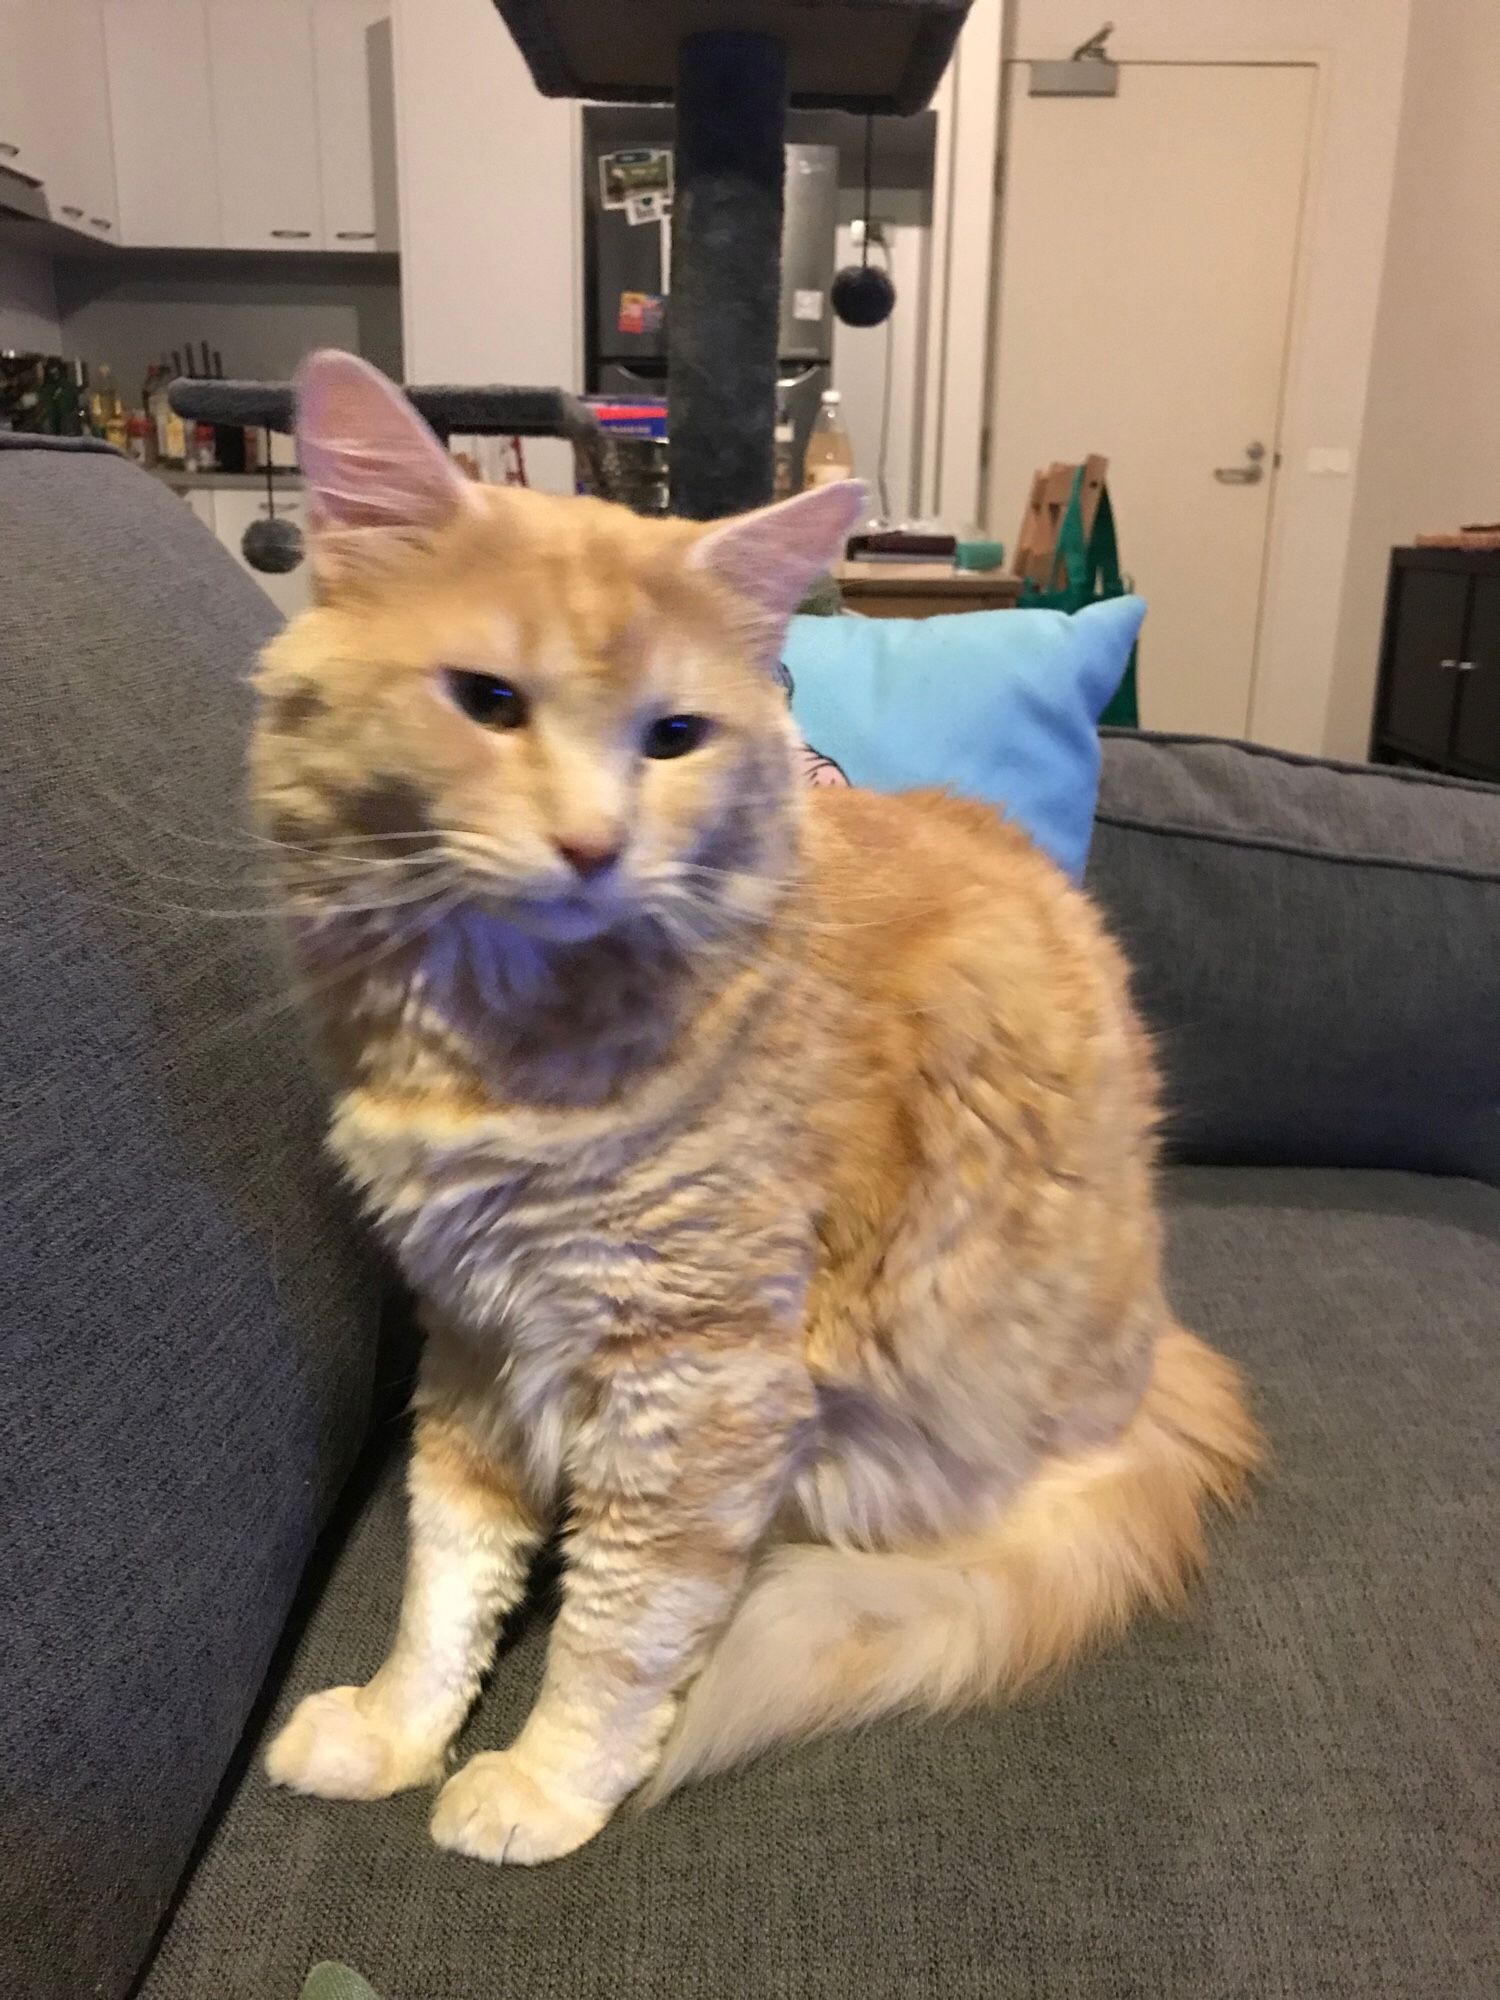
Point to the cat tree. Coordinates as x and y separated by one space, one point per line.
731 72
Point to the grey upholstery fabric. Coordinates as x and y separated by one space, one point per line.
188 1328
1318 948
1289 1793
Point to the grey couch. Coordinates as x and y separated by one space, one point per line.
1290 1792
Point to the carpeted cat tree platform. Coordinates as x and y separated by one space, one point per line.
731 72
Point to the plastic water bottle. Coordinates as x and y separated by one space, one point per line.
830 455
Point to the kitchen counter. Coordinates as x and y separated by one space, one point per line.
225 482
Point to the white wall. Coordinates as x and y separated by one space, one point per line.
1361 46
862 356
28 303
1431 453
262 317
490 212
956 387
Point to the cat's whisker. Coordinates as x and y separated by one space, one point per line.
308 987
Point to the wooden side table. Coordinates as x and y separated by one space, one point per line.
923 590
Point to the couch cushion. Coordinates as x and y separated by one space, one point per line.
1317 946
187 1342
1290 1792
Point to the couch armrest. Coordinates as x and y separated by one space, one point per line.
1316 946
188 1342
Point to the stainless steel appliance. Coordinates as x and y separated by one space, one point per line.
628 196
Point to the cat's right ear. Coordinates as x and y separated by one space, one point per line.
377 479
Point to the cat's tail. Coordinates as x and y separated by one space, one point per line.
827 1638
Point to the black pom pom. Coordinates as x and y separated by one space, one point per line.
863 295
274 547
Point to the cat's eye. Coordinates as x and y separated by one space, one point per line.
675 735
484 699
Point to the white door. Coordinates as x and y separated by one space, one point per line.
347 63
1147 251
163 123
265 124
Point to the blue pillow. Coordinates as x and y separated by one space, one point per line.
995 705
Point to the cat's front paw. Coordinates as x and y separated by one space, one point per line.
332 1748
495 1811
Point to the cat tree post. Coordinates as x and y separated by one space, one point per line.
722 327
732 89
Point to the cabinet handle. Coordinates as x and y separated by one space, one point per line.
293 235
101 222
354 235
69 208
8 151
1457 666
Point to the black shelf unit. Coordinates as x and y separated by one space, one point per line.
1437 704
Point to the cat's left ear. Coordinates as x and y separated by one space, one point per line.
369 461
774 556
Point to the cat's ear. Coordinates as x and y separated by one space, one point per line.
774 556
369 461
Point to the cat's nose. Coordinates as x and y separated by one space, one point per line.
589 858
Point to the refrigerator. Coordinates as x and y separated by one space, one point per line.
628 193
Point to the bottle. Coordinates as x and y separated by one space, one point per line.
77 423
830 456
171 442
785 448
106 411
143 426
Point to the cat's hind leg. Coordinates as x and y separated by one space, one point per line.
471 1539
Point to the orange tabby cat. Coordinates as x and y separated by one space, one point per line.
775 1165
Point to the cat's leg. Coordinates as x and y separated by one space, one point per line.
676 1475
471 1538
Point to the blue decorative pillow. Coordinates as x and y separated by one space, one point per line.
995 705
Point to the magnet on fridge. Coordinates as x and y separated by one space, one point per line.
640 312
654 207
632 173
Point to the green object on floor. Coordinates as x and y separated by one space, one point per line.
1090 570
337 1982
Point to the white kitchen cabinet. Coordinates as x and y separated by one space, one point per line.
26 87
79 148
161 111
235 507
351 59
265 120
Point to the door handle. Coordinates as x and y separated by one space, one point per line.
1251 473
